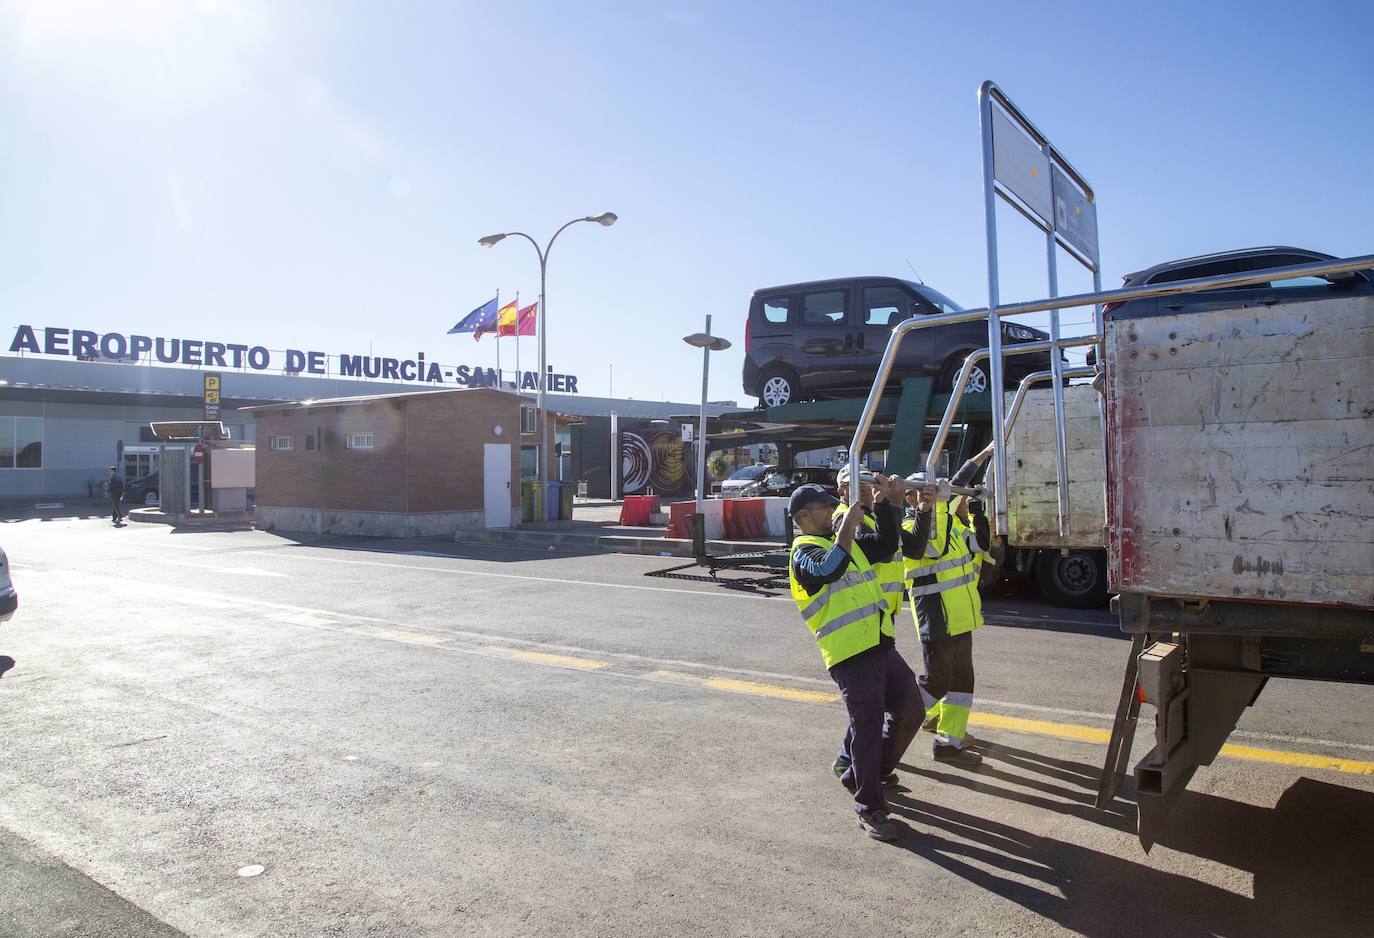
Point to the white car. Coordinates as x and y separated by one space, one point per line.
742 478
9 599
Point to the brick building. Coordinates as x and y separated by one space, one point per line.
393 465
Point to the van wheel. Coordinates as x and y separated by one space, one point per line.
1077 581
777 386
977 378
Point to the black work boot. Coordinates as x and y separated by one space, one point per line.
957 756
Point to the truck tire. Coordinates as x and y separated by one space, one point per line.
1077 581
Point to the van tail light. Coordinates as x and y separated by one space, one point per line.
748 333
1108 307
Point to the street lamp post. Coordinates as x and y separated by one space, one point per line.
605 219
707 343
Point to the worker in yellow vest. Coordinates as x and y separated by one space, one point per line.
842 603
942 584
891 578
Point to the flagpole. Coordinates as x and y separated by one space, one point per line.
500 382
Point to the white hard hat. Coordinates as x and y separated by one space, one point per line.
842 477
918 478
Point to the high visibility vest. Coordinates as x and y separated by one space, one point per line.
949 571
845 617
891 574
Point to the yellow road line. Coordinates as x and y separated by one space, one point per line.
1074 731
1302 760
413 638
1087 734
540 657
770 690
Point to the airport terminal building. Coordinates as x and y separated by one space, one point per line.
65 418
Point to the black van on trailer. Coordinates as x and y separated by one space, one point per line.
817 339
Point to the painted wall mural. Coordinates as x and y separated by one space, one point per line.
656 459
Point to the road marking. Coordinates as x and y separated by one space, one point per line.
519 576
1087 734
305 616
221 568
769 690
1302 760
539 657
405 635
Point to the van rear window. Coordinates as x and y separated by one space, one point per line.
775 310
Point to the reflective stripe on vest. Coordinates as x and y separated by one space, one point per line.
949 570
891 572
847 616
941 586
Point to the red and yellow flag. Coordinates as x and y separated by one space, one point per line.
505 319
526 319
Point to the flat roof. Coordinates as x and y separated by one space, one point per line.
369 398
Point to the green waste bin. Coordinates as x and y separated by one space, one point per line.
565 501
527 501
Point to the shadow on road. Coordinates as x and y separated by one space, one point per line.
6 662
1306 855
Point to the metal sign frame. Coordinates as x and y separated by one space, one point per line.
1030 174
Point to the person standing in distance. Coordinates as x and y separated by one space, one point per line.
841 601
115 486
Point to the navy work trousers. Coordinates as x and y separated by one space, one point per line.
885 713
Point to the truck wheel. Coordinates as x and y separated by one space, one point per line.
778 386
1078 581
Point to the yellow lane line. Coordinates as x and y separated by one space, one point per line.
402 635
1074 731
1302 760
770 690
540 657
1086 734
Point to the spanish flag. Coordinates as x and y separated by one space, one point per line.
505 319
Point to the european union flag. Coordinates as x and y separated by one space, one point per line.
480 320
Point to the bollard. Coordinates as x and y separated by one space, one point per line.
699 535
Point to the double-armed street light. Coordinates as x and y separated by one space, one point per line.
605 219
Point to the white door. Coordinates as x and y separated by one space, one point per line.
496 484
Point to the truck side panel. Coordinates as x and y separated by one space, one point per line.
1243 453
1033 480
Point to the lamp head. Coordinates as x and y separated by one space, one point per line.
704 340
491 240
606 218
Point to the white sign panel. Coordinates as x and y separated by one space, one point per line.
1020 167
686 433
1075 218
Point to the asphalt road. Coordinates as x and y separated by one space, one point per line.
234 733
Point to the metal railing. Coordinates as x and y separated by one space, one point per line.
1219 281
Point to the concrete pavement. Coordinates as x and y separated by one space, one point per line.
439 739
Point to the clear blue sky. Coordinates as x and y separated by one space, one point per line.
316 174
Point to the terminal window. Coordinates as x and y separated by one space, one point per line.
359 441
281 443
21 442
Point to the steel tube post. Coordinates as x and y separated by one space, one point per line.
1057 369
701 426
999 465
539 512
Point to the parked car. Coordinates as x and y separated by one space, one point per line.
9 599
144 490
138 491
780 483
805 340
742 477
1356 283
